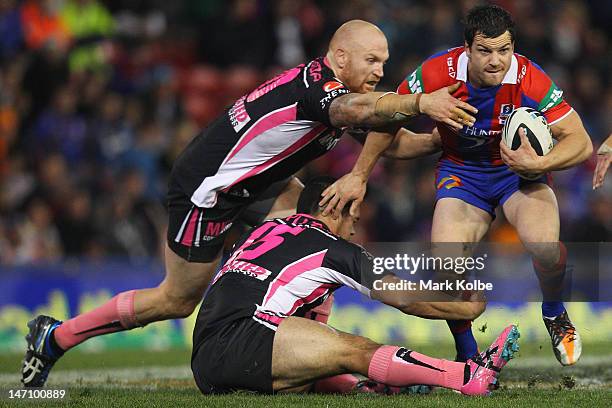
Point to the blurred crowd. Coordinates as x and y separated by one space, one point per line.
97 98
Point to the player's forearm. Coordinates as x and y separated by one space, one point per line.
404 300
606 146
409 145
374 109
376 143
574 145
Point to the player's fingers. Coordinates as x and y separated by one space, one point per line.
355 208
453 124
596 178
327 194
331 205
462 116
504 153
339 208
524 140
452 88
503 148
467 107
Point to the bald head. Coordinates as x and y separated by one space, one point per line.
357 53
355 34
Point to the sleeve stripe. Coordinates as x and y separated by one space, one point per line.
561 118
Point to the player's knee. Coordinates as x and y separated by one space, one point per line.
358 355
178 305
546 254
476 309
185 308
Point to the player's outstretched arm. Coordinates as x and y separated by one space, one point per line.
409 145
403 300
604 156
352 186
377 109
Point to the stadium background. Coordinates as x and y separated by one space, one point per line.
98 98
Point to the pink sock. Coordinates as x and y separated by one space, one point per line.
115 315
338 384
399 367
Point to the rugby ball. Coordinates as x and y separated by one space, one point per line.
536 127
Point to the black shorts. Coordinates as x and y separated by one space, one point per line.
235 357
197 234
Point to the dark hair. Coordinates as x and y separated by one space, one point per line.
308 203
490 20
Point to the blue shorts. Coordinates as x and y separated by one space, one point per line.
480 186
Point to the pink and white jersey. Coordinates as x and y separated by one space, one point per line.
265 136
283 267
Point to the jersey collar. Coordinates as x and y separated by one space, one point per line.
306 219
510 78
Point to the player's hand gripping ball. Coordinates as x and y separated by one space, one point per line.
537 131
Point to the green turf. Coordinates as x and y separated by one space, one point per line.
173 397
533 379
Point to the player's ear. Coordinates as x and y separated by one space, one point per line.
467 48
341 57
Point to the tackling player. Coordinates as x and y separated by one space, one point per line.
476 174
264 138
250 332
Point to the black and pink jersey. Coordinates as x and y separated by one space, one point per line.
283 267
265 136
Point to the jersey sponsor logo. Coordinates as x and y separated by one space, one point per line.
246 268
415 81
238 115
553 97
214 229
332 85
451 69
478 136
314 71
449 182
504 111
275 82
330 96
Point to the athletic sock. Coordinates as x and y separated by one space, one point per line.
399 367
551 283
115 315
465 343
551 310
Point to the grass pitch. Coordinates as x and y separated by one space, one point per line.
163 379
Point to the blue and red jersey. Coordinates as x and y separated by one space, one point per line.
525 84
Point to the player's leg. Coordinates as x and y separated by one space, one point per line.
195 239
305 351
534 212
456 221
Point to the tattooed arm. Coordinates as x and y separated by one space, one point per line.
377 109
